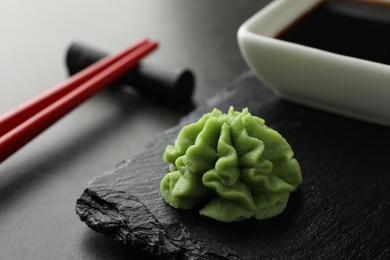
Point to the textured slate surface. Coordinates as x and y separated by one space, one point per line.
340 211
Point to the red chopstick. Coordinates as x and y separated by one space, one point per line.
21 125
14 117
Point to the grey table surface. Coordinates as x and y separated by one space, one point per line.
39 184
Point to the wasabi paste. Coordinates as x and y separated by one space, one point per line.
232 166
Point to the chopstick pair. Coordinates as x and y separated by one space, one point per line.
21 125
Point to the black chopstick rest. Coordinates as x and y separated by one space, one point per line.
164 84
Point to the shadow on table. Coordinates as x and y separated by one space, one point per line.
98 246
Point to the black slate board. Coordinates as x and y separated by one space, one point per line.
340 211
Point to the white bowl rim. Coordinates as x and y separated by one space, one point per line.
249 31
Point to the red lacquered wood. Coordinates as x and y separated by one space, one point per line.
14 139
18 115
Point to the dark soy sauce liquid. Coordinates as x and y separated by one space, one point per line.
329 30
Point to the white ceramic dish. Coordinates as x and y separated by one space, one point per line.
341 84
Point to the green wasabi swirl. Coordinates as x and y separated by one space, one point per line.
232 165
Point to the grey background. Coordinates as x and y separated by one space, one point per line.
40 184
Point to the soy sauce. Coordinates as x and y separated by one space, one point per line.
328 29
